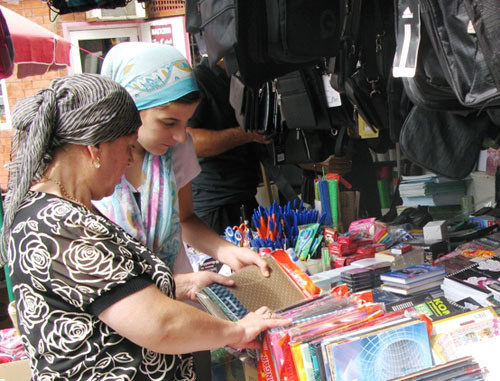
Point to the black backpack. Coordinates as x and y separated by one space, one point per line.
261 40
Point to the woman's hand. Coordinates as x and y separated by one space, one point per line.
239 257
187 285
256 322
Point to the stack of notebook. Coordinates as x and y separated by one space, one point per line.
413 279
431 190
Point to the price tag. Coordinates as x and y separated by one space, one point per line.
332 95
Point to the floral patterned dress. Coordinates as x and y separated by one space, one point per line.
67 266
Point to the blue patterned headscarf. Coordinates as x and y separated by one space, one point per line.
154 74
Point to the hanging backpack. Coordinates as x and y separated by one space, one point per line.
261 41
464 64
62 7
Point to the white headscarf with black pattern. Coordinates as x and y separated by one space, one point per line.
83 109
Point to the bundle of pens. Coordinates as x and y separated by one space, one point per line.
278 227
327 192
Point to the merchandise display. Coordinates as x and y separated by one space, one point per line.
381 239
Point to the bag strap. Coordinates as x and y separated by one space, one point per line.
347 58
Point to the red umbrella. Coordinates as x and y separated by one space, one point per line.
37 50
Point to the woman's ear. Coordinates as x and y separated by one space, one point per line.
94 153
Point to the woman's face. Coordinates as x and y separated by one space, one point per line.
164 126
115 157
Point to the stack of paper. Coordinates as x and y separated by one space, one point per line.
431 190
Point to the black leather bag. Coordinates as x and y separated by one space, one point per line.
301 146
193 16
363 67
300 31
429 87
71 6
236 30
485 17
443 142
460 53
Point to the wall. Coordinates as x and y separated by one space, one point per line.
38 12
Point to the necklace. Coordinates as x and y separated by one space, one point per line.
64 192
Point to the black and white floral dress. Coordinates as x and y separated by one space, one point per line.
67 266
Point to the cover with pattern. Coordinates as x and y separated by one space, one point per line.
251 291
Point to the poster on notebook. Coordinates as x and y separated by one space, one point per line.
382 355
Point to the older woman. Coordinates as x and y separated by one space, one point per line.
93 302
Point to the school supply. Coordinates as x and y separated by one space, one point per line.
472 281
458 332
278 226
398 288
382 354
401 248
462 369
414 274
398 261
251 291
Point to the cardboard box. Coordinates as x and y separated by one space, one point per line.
435 230
15 371
349 208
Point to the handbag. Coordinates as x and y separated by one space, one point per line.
301 31
260 41
445 143
363 67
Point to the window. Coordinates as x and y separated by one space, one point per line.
94 41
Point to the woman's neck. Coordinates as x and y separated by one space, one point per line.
133 174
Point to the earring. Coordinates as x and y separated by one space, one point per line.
97 164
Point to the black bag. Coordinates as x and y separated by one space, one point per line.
300 31
193 16
304 104
485 17
62 7
363 68
301 146
429 87
236 30
460 55
445 143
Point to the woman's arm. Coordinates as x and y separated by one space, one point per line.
198 235
152 320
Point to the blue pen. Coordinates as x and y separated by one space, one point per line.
322 218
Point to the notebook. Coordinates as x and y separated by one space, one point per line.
251 291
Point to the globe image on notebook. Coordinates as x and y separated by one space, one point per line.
382 355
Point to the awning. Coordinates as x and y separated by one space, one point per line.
37 50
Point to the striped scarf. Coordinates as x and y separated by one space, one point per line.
83 109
